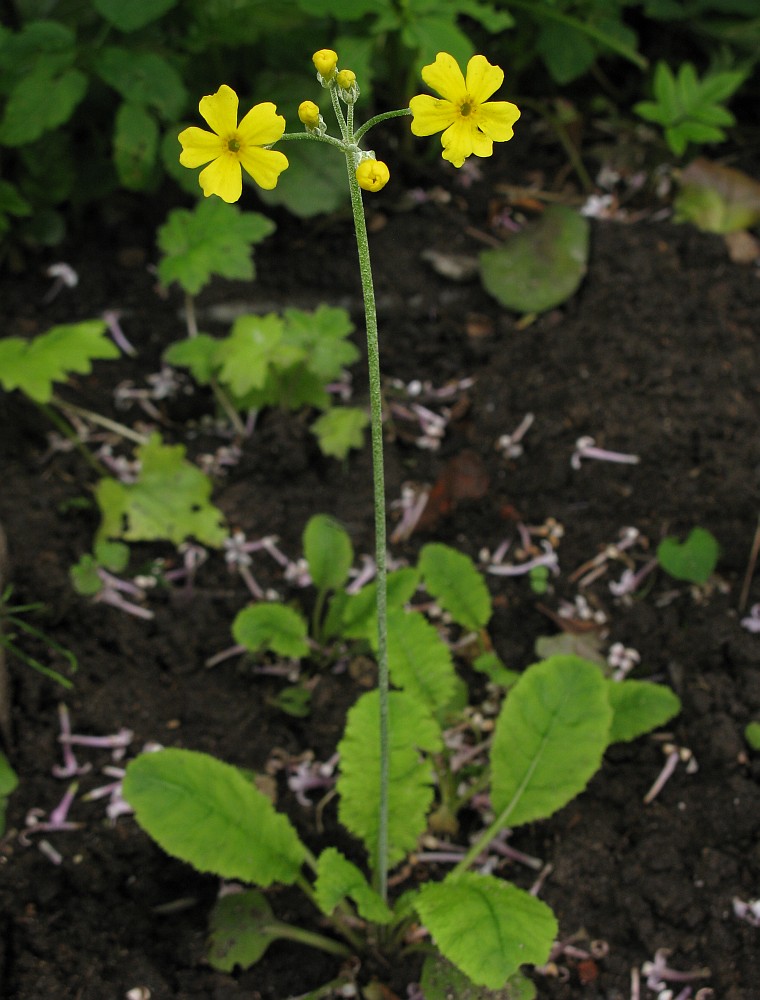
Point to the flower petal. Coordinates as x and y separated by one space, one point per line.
445 76
431 115
223 178
199 146
264 165
496 119
261 126
483 79
220 110
458 141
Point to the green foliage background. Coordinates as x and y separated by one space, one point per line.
93 95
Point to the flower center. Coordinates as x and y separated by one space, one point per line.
465 108
233 144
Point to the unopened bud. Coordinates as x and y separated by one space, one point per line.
325 61
308 113
372 175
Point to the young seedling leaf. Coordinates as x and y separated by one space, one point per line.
338 879
752 734
541 266
274 627
487 927
549 738
693 560
34 365
241 928
419 660
8 777
410 791
328 551
452 579
717 198
440 980
294 700
84 576
639 707
490 665
169 500
255 344
354 616
339 430
322 335
198 353
587 645
209 814
213 239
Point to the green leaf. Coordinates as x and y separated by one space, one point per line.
255 344
542 266
338 879
328 551
213 239
410 791
8 777
453 580
322 336
693 560
271 626
39 102
169 500
133 15
143 78
567 52
487 927
207 813
34 365
294 700
752 734
135 145
490 665
419 660
198 353
717 198
314 182
639 707
84 576
354 616
549 738
440 980
241 928
339 430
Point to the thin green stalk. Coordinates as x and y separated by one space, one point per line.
378 481
310 938
70 434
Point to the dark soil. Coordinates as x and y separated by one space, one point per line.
656 355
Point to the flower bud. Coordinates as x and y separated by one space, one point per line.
308 113
372 175
346 79
325 61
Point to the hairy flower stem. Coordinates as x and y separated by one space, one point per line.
378 479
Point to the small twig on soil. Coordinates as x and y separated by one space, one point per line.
753 555
65 277
585 447
750 911
510 445
111 318
675 756
549 559
57 821
752 621
659 974
111 592
71 767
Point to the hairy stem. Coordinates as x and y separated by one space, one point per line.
378 477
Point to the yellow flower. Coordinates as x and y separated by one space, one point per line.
231 146
372 175
308 114
325 61
346 78
471 122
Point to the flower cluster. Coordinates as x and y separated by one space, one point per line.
470 124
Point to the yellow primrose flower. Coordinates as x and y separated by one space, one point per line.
346 78
471 122
231 146
308 114
372 175
325 61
